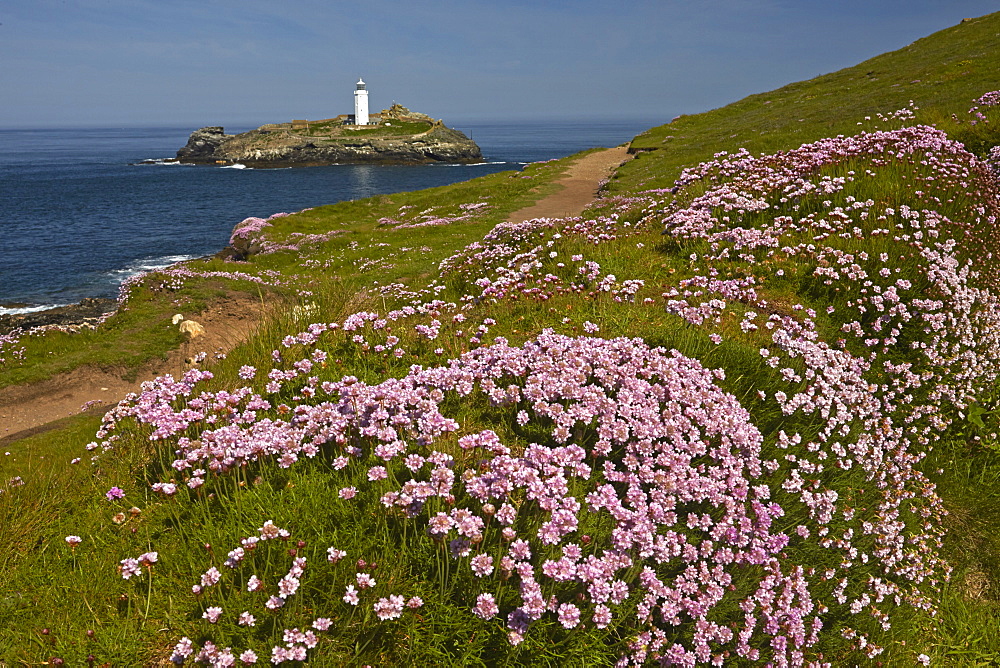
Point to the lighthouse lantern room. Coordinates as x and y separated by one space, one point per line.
360 103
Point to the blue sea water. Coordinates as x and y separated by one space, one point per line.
79 215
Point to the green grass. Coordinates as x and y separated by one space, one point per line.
127 340
397 128
334 130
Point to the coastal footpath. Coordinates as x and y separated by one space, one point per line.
397 136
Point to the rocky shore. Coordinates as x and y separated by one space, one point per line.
395 139
87 312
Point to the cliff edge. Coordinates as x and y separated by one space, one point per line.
395 136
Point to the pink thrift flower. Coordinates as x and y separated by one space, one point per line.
602 616
165 488
269 531
482 565
129 567
389 608
569 615
210 577
486 607
212 614
182 650
287 586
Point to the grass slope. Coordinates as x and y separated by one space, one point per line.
750 419
941 73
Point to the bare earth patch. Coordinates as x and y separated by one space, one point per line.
27 409
579 186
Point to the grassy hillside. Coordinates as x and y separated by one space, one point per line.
941 73
742 412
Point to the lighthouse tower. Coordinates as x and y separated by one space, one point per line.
360 103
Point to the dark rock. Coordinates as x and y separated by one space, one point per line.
229 253
88 310
203 144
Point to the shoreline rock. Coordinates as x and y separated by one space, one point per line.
203 143
87 311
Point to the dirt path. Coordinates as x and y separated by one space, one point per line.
579 186
27 409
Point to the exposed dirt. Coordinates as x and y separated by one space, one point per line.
579 186
27 409
30 409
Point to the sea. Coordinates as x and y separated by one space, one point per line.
82 210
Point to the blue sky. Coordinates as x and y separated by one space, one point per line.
248 62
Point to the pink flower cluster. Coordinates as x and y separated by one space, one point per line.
427 218
9 349
991 99
249 227
297 642
879 412
129 567
667 440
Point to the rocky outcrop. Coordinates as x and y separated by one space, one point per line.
88 311
268 146
203 144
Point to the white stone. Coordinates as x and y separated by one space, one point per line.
193 328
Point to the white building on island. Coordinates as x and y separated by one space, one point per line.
360 103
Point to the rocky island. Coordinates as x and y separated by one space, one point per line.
394 136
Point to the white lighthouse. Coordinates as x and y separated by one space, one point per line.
360 103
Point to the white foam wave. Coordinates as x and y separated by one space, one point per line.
21 310
149 264
164 162
469 164
238 165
